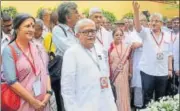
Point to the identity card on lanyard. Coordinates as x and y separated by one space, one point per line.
37 86
37 83
159 55
103 80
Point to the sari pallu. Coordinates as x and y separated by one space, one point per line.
121 76
26 75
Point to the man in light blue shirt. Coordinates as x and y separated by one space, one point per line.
63 37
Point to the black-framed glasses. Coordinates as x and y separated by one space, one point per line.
88 32
156 21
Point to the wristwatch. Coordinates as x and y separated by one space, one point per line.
49 92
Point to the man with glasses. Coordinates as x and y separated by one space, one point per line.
156 61
6 25
103 38
6 35
63 34
143 20
85 84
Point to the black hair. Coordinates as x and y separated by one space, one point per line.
115 30
18 20
175 18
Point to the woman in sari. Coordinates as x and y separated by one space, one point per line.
32 83
119 66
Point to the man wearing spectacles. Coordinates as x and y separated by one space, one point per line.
156 61
103 37
85 81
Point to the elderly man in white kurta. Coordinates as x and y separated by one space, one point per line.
103 37
84 81
156 60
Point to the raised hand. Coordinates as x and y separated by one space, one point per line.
136 6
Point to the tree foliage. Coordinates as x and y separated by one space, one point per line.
109 15
11 11
128 15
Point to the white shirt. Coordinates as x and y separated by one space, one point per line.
174 37
149 63
136 56
176 54
38 41
45 31
5 41
103 38
60 40
80 81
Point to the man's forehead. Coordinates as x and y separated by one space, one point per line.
7 22
97 14
155 18
88 26
177 20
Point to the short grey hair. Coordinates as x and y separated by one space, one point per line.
39 22
142 17
42 13
81 23
94 10
157 15
64 10
131 20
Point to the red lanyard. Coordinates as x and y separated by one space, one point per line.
101 41
158 44
172 38
121 54
32 64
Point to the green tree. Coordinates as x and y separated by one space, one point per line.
109 15
128 15
11 11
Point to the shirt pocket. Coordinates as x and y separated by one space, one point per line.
166 47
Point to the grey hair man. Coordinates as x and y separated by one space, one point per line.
103 37
63 35
143 20
38 31
86 85
44 15
156 60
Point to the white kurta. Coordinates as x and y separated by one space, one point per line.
103 39
80 81
136 77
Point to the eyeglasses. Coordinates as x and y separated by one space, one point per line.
156 21
87 32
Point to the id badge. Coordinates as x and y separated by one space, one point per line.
37 86
104 82
159 56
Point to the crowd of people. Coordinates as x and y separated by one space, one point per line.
105 66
